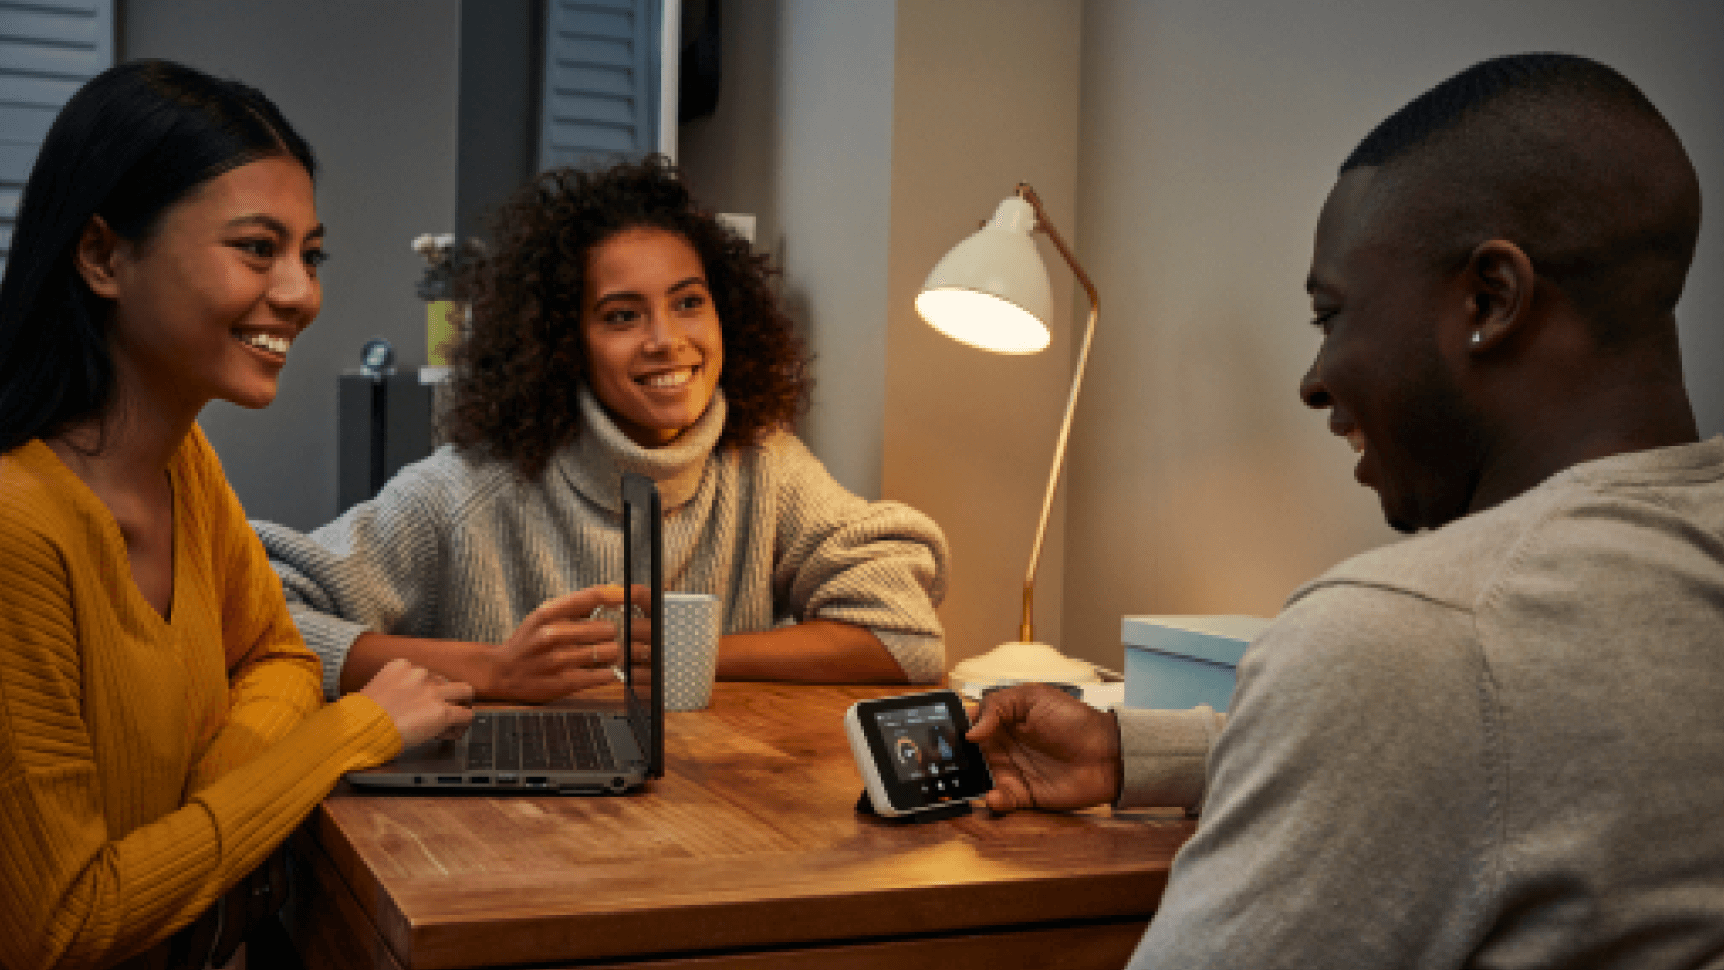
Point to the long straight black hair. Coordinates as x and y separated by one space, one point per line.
133 141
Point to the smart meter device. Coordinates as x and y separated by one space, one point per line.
912 755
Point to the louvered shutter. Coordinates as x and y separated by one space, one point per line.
601 95
48 49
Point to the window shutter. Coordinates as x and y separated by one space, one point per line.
601 93
48 49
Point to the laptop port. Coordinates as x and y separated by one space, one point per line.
448 779
479 780
508 779
538 780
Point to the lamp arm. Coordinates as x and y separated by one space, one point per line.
1028 194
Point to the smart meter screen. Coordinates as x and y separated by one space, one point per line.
925 746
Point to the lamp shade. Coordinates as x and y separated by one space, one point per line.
991 291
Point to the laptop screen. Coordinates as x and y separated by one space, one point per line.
643 580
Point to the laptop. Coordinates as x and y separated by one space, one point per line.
567 747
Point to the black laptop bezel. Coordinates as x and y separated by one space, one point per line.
643 538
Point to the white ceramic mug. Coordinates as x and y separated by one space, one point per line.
690 650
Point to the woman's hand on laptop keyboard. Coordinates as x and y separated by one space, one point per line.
422 704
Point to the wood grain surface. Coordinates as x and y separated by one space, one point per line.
748 852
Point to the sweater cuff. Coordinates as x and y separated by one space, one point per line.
922 657
257 805
330 637
379 739
1165 756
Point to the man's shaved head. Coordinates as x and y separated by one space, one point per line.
1563 157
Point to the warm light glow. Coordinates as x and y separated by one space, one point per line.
982 320
991 290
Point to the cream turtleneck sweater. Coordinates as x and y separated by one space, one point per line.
459 547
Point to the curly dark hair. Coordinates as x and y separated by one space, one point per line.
517 368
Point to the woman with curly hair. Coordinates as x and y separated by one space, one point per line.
616 327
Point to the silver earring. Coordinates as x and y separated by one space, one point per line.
1478 338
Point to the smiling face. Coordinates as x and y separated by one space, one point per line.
654 347
207 306
1381 372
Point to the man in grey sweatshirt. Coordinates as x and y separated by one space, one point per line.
1500 742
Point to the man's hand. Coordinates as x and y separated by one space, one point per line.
1047 749
558 649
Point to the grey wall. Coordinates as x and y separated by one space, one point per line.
497 119
373 87
833 167
1211 134
802 138
729 157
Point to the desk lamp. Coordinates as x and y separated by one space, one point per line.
991 291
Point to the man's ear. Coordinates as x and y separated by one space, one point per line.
1502 280
96 257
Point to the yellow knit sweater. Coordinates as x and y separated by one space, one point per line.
147 764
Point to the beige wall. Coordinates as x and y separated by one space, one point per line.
986 97
1211 133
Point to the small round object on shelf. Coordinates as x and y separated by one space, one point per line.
377 357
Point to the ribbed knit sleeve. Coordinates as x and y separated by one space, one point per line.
1166 756
379 566
109 839
879 565
274 681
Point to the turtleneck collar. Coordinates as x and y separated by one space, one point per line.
595 461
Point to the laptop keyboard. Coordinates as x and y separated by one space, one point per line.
538 741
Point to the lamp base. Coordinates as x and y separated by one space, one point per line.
1017 662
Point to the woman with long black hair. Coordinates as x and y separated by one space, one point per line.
161 725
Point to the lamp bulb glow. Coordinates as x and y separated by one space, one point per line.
982 320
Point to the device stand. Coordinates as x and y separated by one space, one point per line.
865 806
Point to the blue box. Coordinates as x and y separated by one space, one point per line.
1179 662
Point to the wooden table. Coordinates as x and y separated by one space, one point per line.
748 852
